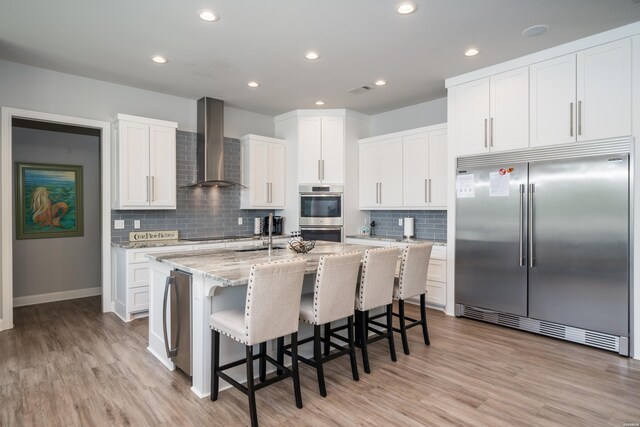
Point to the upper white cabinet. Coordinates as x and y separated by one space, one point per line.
321 150
424 169
143 163
405 170
492 114
381 174
582 96
263 172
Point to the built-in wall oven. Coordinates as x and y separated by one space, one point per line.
321 212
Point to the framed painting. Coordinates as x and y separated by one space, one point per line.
49 201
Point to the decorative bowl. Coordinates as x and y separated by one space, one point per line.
300 246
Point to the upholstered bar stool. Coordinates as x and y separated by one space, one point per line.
332 299
376 290
271 311
411 282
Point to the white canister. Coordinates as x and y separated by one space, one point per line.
257 226
408 227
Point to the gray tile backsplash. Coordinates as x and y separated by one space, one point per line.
427 224
201 212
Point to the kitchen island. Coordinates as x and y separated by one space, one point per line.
219 279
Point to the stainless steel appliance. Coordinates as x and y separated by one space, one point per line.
543 245
321 212
176 322
277 226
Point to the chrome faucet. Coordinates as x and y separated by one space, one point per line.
270 232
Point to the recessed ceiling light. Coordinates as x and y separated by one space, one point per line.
208 15
253 84
471 52
381 82
159 59
535 30
319 102
312 55
406 7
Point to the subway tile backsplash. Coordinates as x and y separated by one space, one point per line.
427 224
202 211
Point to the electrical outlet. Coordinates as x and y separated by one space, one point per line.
240 221
136 224
118 224
400 221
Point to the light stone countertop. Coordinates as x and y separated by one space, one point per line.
436 242
230 267
186 242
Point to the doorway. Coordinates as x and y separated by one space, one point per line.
72 131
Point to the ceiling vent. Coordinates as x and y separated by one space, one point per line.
361 89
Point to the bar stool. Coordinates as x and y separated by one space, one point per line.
411 282
332 299
376 290
271 311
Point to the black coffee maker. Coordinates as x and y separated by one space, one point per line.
277 226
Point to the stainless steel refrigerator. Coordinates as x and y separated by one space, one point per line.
544 246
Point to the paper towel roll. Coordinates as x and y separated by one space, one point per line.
408 227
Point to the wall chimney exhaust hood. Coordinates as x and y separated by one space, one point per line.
210 144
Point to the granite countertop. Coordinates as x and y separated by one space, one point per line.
230 267
382 238
184 242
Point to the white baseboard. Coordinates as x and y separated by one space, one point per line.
56 296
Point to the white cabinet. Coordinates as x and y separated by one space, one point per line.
424 169
130 269
263 172
143 163
321 150
381 174
492 114
582 96
404 170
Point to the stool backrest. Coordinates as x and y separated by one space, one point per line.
273 299
377 279
413 270
335 286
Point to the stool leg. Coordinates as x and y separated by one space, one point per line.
317 355
215 363
364 337
392 346
263 361
280 357
352 348
423 315
327 338
294 369
251 392
403 327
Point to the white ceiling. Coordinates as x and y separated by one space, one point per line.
264 40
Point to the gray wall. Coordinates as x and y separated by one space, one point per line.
37 89
427 224
201 212
42 266
411 117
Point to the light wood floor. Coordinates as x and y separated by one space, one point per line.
68 364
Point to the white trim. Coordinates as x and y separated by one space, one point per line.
6 210
543 55
56 296
431 128
322 112
146 120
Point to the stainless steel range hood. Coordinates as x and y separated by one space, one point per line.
210 144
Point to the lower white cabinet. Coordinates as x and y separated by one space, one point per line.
436 275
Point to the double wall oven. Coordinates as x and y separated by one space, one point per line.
321 212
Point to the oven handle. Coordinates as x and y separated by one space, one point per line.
302 227
321 194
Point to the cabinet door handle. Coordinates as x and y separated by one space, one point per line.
426 191
319 166
430 194
380 191
271 192
153 188
579 118
485 133
491 133
571 119
148 188
377 193
323 169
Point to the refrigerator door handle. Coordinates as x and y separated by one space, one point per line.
171 352
532 189
521 227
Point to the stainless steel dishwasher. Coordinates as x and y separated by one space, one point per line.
176 321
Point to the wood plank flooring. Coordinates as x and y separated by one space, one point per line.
67 364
